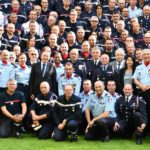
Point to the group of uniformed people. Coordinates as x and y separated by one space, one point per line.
79 67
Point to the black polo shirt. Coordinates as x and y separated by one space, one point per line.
12 102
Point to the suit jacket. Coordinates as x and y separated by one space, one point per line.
114 64
36 77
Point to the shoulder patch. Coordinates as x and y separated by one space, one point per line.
76 75
142 100
62 75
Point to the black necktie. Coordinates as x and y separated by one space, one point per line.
127 100
43 69
95 63
104 68
119 66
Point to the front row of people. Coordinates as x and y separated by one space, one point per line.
106 113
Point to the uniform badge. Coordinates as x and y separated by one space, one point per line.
89 72
81 67
73 109
148 71
74 86
97 78
139 74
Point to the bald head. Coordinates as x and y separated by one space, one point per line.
128 90
99 87
44 88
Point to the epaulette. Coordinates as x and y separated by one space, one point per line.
142 100
62 75
76 75
119 95
29 66
93 92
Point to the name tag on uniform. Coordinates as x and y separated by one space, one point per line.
81 67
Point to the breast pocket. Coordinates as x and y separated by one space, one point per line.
1 71
17 76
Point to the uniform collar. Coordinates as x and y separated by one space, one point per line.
102 95
129 97
89 93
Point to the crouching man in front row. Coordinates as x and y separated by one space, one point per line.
131 115
101 107
67 114
13 109
41 112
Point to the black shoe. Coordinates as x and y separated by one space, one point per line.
139 141
106 139
23 130
74 138
18 135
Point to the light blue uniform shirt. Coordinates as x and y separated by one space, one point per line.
134 13
22 75
6 72
98 105
59 71
142 74
84 99
74 80
114 98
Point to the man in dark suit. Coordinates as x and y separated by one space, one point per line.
42 71
119 62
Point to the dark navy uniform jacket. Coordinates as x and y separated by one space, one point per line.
109 74
11 42
144 22
68 113
41 108
125 111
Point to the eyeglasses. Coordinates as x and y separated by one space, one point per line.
33 54
78 9
94 20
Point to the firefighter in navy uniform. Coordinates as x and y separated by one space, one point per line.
41 112
105 72
13 109
145 19
67 114
94 63
78 65
131 115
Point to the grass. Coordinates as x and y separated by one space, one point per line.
32 143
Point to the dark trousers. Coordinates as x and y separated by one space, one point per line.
8 127
82 123
127 128
101 128
146 96
71 127
46 131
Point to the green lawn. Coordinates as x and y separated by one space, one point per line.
32 143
